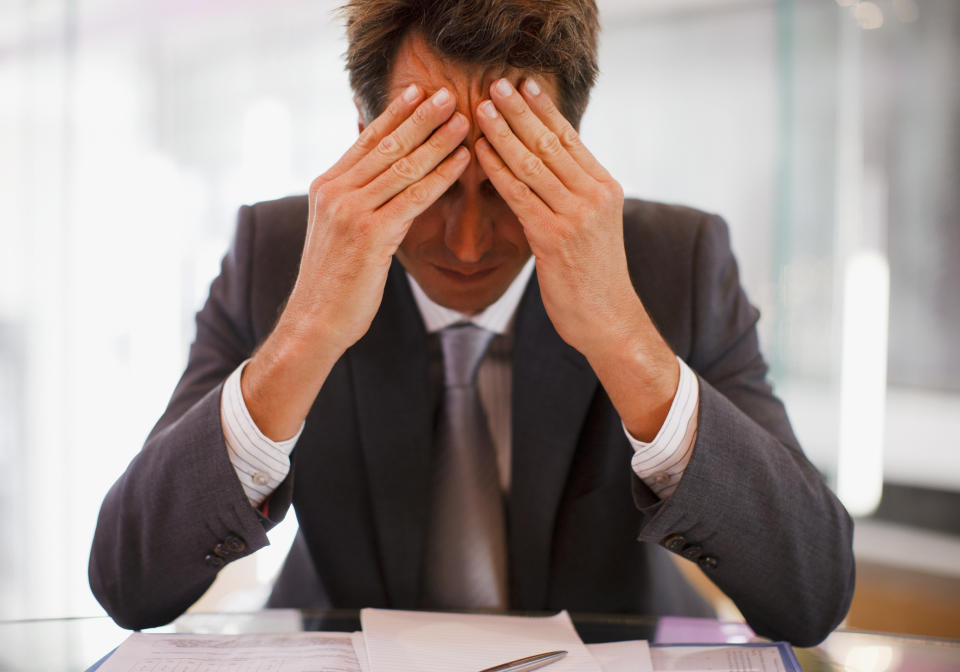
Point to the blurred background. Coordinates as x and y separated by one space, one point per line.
825 132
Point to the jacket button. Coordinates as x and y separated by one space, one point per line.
234 544
214 561
221 550
692 552
674 542
707 562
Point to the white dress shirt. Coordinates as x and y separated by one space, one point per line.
262 464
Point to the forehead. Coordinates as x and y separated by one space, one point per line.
417 63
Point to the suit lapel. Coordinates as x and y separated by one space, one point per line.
552 388
389 367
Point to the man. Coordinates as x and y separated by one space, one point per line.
621 406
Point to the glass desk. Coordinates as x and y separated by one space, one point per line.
73 644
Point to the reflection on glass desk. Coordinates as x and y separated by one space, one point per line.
68 644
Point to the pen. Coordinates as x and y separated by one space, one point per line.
528 663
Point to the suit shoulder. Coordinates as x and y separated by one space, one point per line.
280 219
663 220
662 233
276 233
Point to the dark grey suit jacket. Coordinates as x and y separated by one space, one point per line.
585 534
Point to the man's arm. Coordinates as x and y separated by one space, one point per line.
360 211
748 498
750 510
155 549
179 512
571 210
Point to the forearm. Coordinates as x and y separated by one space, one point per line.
164 517
761 523
638 371
284 376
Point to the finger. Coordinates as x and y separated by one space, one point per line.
537 136
420 195
525 204
523 164
414 166
405 138
546 110
397 111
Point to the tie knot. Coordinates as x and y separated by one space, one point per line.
463 348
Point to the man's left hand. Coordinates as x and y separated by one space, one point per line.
571 210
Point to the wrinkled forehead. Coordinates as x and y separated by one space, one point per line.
416 63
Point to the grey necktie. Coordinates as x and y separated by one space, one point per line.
466 562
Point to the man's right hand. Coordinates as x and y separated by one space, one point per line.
360 211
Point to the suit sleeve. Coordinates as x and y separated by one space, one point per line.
750 509
179 513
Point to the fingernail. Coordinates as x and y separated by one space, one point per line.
441 97
461 154
503 87
458 122
410 93
532 88
488 109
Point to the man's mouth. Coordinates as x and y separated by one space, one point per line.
466 275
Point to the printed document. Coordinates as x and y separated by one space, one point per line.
286 652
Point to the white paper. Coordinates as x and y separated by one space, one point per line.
629 656
400 641
290 652
716 658
360 648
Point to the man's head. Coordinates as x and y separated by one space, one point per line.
466 248
538 37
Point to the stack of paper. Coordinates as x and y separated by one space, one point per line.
288 652
400 641
391 641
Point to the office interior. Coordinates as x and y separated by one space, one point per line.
825 132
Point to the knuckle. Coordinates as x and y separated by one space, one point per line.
404 168
418 194
420 115
317 186
597 194
570 137
446 172
341 208
548 143
367 139
531 166
435 142
519 190
503 131
616 190
395 108
389 147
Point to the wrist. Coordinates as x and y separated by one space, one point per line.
284 376
640 374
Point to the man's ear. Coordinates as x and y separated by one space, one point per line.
361 122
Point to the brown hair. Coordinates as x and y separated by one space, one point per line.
557 37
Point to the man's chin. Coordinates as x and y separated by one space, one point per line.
467 293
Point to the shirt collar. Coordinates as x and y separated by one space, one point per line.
497 317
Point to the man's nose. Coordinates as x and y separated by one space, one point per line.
469 228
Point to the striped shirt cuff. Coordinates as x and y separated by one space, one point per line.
261 464
660 463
